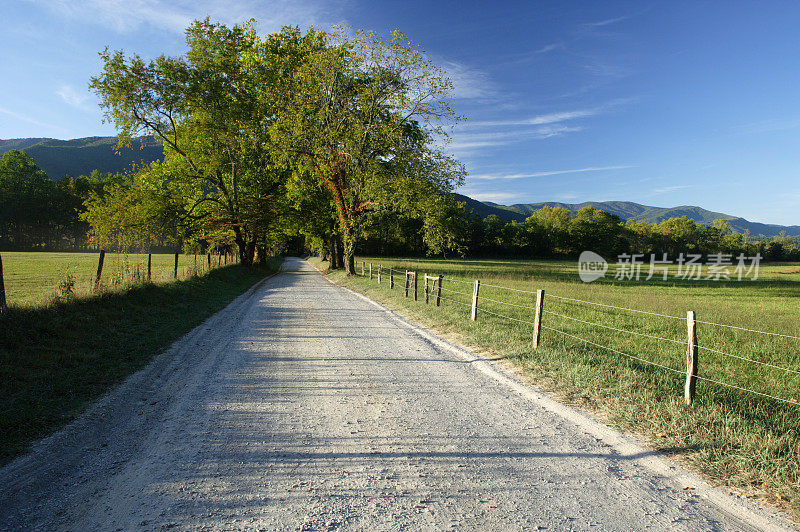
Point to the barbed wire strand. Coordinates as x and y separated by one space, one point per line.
455 291
506 317
667 367
748 359
614 328
457 280
455 301
484 298
612 306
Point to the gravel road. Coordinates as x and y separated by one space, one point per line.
303 405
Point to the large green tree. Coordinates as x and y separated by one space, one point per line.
363 117
212 109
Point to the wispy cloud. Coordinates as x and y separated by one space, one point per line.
767 126
493 196
550 48
469 83
462 141
29 119
72 97
126 16
665 190
549 172
605 22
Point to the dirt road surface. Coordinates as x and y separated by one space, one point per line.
305 406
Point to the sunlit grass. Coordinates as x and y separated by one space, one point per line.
734 436
32 278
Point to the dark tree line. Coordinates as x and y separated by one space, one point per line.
552 232
39 214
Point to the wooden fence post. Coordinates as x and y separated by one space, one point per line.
149 267
391 277
439 292
380 268
415 285
426 288
99 269
474 314
406 288
537 320
691 357
3 305
362 268
175 269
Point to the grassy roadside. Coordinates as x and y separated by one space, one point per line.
55 359
740 440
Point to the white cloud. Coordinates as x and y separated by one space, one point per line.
463 141
492 177
548 118
125 16
468 83
549 48
73 97
493 196
28 119
665 190
604 22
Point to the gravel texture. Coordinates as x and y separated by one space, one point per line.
303 405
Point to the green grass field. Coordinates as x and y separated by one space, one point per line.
57 357
33 278
736 437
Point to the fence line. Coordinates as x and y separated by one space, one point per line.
693 347
614 328
106 271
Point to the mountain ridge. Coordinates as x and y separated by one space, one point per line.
74 157
628 210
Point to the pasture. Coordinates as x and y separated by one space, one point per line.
33 278
618 348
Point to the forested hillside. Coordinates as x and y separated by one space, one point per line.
627 210
59 158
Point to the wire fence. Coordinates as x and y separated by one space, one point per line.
40 277
625 322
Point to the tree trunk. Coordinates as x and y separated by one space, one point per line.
349 258
340 253
332 251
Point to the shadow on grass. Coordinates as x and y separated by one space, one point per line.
57 358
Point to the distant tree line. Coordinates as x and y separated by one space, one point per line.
37 213
553 232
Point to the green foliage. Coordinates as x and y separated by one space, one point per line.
362 115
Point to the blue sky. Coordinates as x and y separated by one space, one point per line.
662 103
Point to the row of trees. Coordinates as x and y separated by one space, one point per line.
311 133
37 213
556 232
